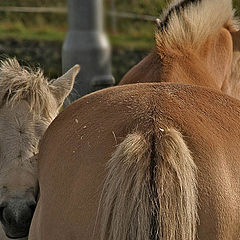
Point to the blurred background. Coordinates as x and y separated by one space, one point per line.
34 30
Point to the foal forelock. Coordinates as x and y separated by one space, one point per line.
20 133
191 22
22 83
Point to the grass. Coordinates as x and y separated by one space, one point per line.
134 37
18 31
48 33
53 27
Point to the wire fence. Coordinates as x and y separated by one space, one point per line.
112 13
34 9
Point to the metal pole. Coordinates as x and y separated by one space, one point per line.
86 44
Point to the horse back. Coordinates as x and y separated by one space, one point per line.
77 146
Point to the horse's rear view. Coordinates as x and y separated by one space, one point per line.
151 161
151 184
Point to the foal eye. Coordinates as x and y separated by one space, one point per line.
20 131
31 189
20 154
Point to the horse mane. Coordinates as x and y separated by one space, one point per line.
191 22
23 83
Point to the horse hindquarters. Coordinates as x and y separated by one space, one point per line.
150 190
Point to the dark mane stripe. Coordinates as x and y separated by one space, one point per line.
176 9
191 22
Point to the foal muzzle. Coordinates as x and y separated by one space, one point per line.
16 216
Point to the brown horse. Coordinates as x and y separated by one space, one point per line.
163 65
171 149
28 104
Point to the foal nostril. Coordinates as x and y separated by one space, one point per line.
8 217
32 205
3 205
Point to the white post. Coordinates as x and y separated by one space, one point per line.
86 44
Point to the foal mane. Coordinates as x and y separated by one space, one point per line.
189 23
22 83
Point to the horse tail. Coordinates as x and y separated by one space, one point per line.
150 190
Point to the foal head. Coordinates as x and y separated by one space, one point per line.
28 104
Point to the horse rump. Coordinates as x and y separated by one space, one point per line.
150 191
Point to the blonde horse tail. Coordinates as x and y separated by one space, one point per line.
150 190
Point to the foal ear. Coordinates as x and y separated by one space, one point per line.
62 86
